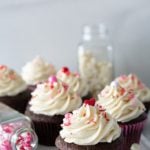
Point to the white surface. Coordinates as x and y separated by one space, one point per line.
52 29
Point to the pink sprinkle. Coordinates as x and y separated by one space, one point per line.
68 115
2 67
24 142
123 77
141 85
8 128
52 79
77 74
5 145
67 123
133 77
12 76
65 86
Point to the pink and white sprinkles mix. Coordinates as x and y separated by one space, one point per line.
23 142
91 102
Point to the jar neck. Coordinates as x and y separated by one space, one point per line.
24 138
95 33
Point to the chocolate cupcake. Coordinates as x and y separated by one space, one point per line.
91 128
13 90
132 82
50 101
37 71
125 107
75 82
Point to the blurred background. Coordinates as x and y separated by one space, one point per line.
52 29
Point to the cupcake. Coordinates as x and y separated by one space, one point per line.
37 71
49 102
74 81
125 107
13 90
132 82
89 128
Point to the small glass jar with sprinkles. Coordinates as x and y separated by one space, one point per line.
16 131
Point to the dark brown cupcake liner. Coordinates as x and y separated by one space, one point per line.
46 127
115 145
132 132
17 102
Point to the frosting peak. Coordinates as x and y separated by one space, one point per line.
11 83
132 82
88 126
74 81
53 98
122 104
37 71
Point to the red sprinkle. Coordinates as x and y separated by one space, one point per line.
106 117
51 86
65 70
90 101
122 91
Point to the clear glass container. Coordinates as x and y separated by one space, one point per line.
95 57
16 131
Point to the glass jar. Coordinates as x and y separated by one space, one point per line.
95 58
16 131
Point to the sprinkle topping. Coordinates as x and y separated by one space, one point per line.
52 79
67 119
90 102
65 70
102 111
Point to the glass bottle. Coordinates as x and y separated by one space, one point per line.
16 131
95 57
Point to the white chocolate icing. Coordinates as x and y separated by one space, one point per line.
133 82
53 99
123 105
89 126
37 71
74 81
11 83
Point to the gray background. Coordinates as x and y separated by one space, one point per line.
52 29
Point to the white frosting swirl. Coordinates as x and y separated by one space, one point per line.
89 126
95 72
74 81
121 104
53 99
135 146
133 82
11 83
37 71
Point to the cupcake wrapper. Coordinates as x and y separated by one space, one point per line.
132 133
46 132
115 145
18 102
